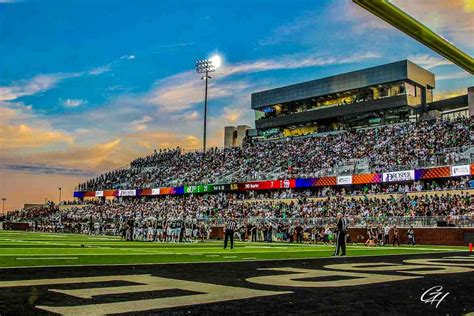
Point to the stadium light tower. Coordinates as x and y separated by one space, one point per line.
205 66
3 205
59 202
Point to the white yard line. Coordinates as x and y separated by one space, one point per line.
207 262
48 258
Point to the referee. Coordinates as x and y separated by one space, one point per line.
341 235
229 230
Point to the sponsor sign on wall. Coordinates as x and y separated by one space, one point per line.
463 170
99 193
267 185
155 191
205 188
398 176
127 192
343 180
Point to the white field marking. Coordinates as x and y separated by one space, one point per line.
218 261
250 258
405 248
144 252
212 255
195 254
229 257
47 258
265 247
77 254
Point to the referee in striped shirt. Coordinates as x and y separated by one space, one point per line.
229 230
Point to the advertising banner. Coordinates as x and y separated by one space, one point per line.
305 183
99 193
267 185
463 170
432 173
155 191
127 192
398 176
365 178
344 180
205 188
89 194
79 194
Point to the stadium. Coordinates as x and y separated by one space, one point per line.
350 193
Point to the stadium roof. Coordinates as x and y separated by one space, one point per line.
392 72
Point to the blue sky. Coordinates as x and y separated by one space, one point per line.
86 85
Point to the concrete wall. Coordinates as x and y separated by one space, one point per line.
448 236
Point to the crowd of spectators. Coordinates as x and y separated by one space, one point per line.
384 148
213 209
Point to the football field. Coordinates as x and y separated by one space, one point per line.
43 273
28 249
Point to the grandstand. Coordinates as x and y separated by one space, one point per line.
408 167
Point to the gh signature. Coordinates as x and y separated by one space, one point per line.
434 295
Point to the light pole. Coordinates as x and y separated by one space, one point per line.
59 195
3 205
205 66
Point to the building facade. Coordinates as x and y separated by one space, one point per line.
234 135
384 94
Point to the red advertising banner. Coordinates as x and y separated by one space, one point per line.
366 178
145 192
267 185
325 181
111 193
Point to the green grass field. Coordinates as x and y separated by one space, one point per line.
28 249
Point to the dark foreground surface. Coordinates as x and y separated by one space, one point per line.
385 285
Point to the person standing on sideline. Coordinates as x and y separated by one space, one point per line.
396 237
229 230
411 236
341 235
386 239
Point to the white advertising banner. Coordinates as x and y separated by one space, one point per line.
155 191
344 180
397 176
99 193
127 192
463 170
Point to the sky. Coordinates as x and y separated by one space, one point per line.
86 86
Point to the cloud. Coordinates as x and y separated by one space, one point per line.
37 84
187 116
454 75
141 124
99 70
284 31
41 83
103 156
181 91
24 136
441 95
46 169
429 61
184 44
232 114
128 57
295 62
73 103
